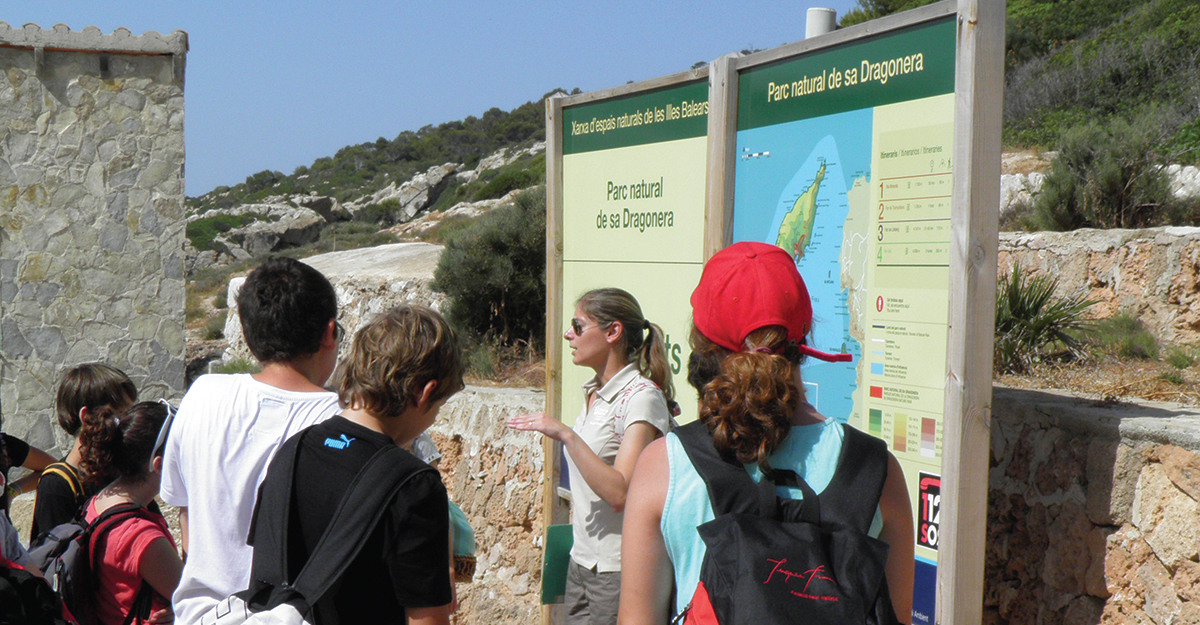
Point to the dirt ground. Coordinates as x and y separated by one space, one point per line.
1110 379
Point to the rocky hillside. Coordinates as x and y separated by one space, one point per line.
220 236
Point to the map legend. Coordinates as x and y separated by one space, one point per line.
900 433
928 438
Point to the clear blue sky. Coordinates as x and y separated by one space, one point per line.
274 85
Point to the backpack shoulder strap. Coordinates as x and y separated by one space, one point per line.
269 521
68 473
352 523
853 494
730 488
360 510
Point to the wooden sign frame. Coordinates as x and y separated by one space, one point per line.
978 96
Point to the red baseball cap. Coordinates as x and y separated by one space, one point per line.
751 285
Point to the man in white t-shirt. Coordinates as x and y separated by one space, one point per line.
229 426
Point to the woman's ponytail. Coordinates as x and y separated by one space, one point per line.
644 342
748 405
653 362
100 443
119 443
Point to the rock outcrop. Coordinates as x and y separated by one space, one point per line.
367 281
414 195
500 158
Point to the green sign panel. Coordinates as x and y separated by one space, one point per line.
913 63
677 112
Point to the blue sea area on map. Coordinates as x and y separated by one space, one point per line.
775 165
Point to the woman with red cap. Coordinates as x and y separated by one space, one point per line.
627 405
750 314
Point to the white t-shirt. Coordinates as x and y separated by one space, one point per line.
626 399
227 430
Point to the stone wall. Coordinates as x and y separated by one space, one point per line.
495 475
91 214
1092 512
1151 274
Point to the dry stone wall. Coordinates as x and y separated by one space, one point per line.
495 475
1093 513
91 214
1152 274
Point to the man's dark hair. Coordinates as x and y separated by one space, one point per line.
285 307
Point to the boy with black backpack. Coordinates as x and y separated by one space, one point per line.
385 560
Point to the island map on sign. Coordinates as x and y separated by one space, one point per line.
804 186
795 232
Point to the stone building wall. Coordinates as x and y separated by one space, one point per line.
1093 513
91 214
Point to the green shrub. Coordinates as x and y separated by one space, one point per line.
221 300
1181 357
482 359
1030 319
1126 337
238 365
494 273
1106 176
1174 377
384 213
214 328
201 232
510 181
446 229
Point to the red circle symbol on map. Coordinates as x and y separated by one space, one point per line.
879 303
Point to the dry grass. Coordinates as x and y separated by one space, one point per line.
1111 379
1024 162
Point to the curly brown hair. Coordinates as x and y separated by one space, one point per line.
118 443
748 401
394 356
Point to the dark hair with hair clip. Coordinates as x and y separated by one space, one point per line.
118 443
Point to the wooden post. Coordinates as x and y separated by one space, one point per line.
554 511
722 143
979 92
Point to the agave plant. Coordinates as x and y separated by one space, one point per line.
1030 318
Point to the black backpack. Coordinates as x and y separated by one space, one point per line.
359 512
65 555
26 599
775 560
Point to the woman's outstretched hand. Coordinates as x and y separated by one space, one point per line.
539 422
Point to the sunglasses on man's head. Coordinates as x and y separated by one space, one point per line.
160 443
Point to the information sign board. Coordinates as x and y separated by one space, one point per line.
632 215
844 158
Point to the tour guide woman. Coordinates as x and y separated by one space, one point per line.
625 409
750 315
